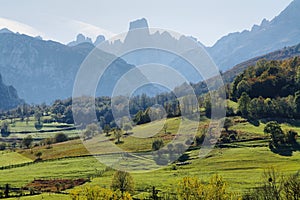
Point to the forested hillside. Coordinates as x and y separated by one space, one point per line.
269 89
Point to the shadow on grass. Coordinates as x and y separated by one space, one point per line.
286 149
183 158
254 122
292 122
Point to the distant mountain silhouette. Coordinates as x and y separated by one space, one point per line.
282 31
5 30
140 37
79 40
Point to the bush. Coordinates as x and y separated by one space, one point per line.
193 189
97 193
60 137
157 144
38 125
276 186
5 132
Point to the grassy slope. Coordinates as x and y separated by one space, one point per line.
11 158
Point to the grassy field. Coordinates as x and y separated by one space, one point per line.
241 165
12 158
258 129
65 149
65 168
49 196
241 168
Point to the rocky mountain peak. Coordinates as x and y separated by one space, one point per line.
80 39
138 24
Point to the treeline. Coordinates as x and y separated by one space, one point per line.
61 110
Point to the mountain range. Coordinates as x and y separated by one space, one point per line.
43 71
280 32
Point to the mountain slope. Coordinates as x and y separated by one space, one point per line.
43 71
282 31
8 96
282 54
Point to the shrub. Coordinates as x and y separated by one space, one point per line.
60 137
157 144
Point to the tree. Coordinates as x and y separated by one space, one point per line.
2 146
87 134
291 187
291 137
91 130
106 129
118 133
275 186
5 132
276 132
207 106
97 193
227 123
38 115
60 137
38 125
27 141
243 104
242 87
48 142
272 186
191 188
122 181
297 104
127 127
6 190
165 128
157 144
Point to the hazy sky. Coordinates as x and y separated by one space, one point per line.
207 20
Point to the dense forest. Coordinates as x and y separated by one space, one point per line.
269 89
